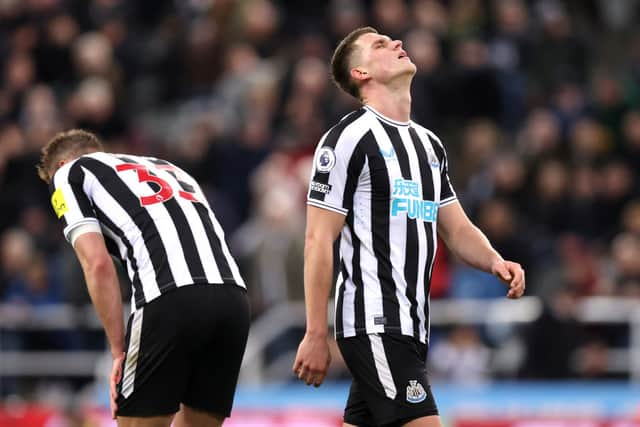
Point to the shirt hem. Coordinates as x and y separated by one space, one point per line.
170 286
392 330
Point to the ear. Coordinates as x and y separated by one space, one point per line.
359 75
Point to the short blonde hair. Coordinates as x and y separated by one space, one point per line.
73 142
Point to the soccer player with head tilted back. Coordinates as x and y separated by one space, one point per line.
380 182
190 316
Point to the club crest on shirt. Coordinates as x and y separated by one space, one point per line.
433 159
325 160
59 203
415 392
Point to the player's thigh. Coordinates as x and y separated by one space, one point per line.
155 365
390 384
191 417
161 421
215 369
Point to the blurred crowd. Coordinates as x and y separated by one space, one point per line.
536 101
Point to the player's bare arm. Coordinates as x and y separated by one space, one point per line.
313 358
104 290
470 244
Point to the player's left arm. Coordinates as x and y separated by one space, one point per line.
104 290
468 243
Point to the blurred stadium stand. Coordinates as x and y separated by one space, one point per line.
537 102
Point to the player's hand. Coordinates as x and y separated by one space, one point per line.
512 274
114 379
312 360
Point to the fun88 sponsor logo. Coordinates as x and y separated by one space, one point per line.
406 199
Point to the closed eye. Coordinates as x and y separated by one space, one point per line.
379 43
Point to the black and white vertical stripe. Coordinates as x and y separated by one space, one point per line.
164 245
385 260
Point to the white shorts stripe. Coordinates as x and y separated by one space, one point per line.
382 366
129 375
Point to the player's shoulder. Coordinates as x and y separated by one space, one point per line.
431 134
347 119
348 129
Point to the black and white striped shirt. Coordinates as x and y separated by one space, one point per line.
154 217
389 179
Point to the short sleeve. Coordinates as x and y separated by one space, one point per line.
70 200
330 175
447 193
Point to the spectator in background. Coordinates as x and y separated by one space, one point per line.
431 15
54 54
34 285
610 106
391 17
510 53
429 89
624 268
631 139
560 54
553 338
270 244
584 197
475 82
461 357
571 263
16 249
498 221
617 188
540 137
549 203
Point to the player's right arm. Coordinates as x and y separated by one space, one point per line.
329 201
313 358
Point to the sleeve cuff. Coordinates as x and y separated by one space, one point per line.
87 225
322 205
448 201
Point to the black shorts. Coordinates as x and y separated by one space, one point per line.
390 385
185 346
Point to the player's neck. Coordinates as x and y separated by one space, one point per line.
394 103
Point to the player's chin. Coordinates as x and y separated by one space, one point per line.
411 68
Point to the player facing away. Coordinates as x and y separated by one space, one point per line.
380 183
190 316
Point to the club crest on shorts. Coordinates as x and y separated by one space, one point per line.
326 159
415 392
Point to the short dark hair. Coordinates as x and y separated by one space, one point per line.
69 143
341 61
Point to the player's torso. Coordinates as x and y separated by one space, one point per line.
389 241
155 219
402 171
398 189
